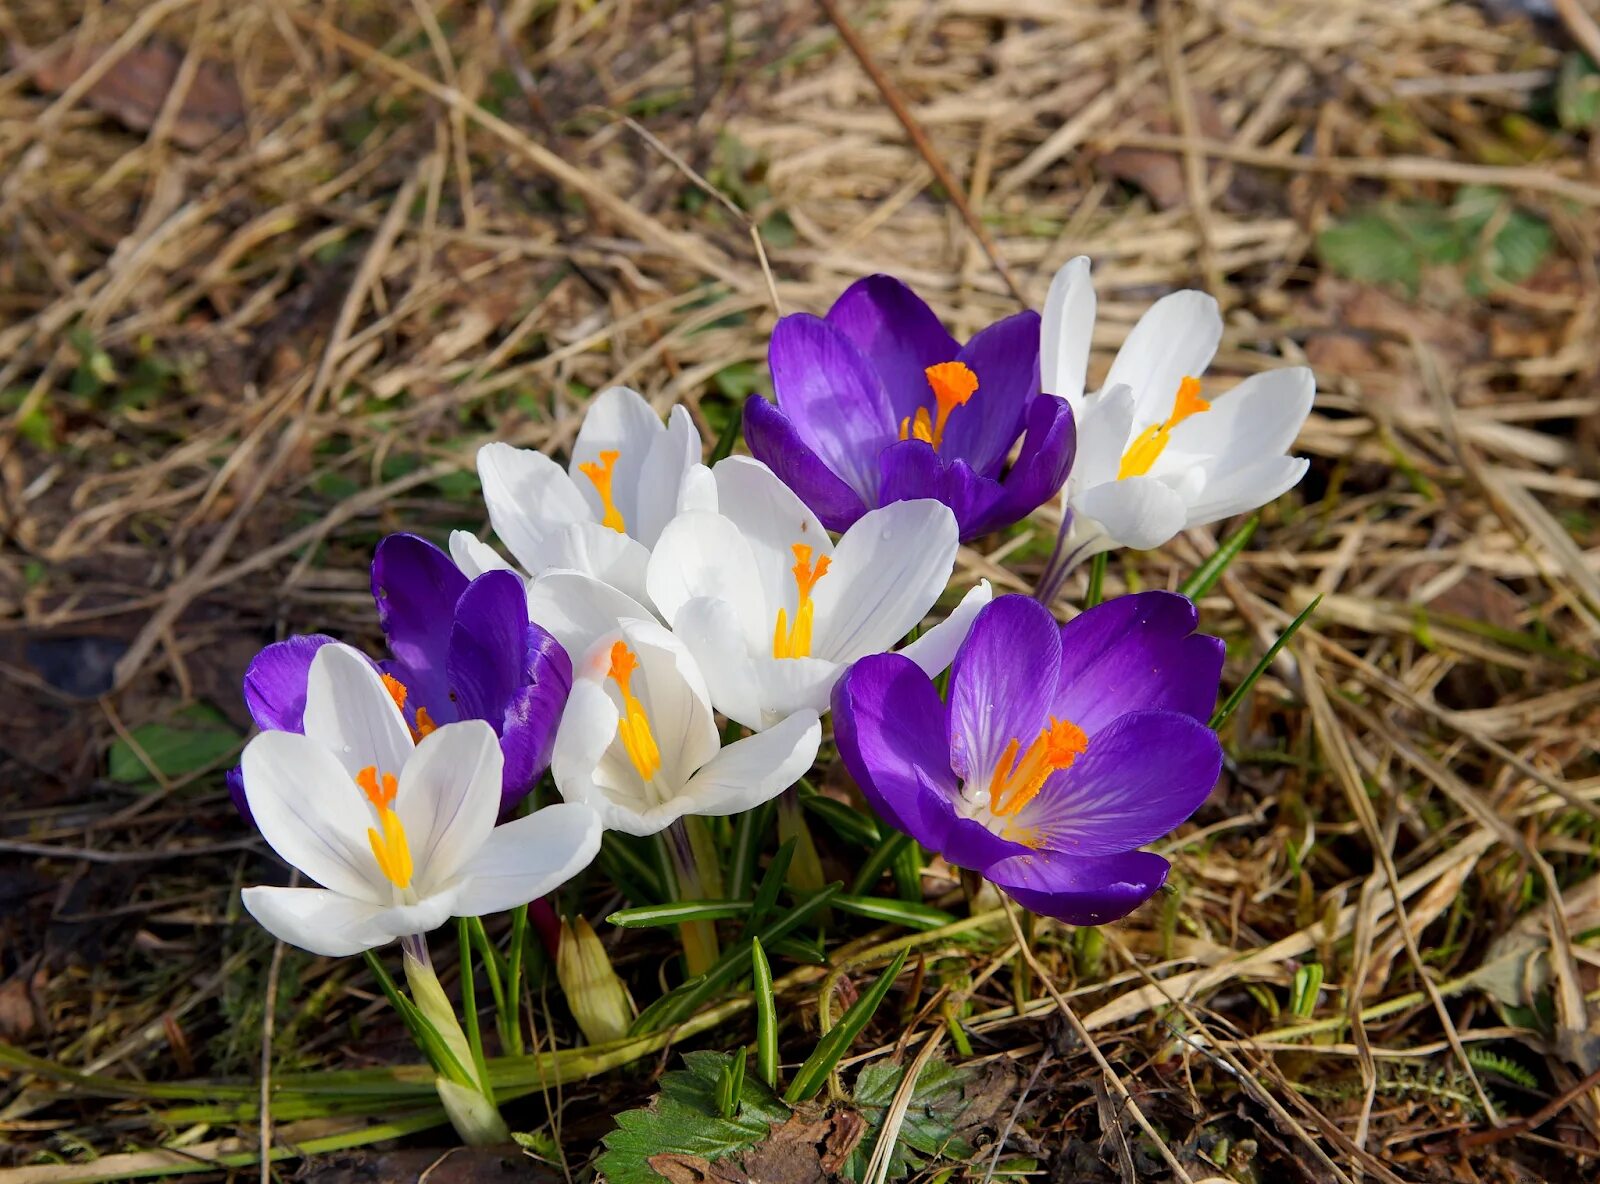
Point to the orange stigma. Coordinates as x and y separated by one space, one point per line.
953 384
795 641
601 474
399 693
1016 782
389 847
1146 449
634 725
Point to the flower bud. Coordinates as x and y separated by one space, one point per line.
596 996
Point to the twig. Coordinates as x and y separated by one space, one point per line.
919 139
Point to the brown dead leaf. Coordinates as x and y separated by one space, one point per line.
17 1017
1160 174
133 91
791 1154
1466 593
848 1127
677 1168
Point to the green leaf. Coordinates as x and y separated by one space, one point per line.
684 1119
882 856
1578 93
1208 573
766 1015
1239 692
1095 592
1371 248
851 825
836 1042
192 738
931 1122
895 912
678 913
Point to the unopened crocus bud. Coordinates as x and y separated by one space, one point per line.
597 997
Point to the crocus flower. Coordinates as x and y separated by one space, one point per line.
773 611
639 744
877 403
628 476
462 649
1063 748
1157 456
399 833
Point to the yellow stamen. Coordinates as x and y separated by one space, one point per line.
601 475
1150 443
953 384
634 726
795 642
389 848
1016 782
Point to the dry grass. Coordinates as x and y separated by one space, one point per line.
244 332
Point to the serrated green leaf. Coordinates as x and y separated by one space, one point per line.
684 1119
1577 93
190 739
929 1129
1371 248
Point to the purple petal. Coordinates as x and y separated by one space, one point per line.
528 728
775 443
1142 776
968 843
416 586
1005 357
912 469
1001 682
275 683
833 397
235 780
487 654
1041 468
1135 653
1080 891
898 334
890 728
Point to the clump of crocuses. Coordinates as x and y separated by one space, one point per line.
877 403
459 649
1061 751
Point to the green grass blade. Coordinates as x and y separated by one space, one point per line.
678 913
850 825
910 914
766 1015
882 856
1208 573
1095 592
750 830
831 1048
771 884
1243 688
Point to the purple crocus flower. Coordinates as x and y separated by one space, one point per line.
461 649
878 404
1063 748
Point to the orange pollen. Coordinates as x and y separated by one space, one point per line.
601 475
634 725
379 793
425 725
953 384
399 693
1016 782
795 641
1148 446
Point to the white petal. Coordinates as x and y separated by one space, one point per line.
1175 339
887 572
1105 428
1257 419
698 491
772 519
351 713
528 496
713 633
577 609
936 648
588 726
529 857
448 799
618 419
311 813
1137 512
598 551
702 554
1067 331
474 556
788 685
1246 489
317 920
757 768
673 456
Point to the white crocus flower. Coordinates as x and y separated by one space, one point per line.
773 611
1154 455
639 744
400 834
628 476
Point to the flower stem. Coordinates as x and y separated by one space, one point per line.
695 875
1021 973
463 1085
